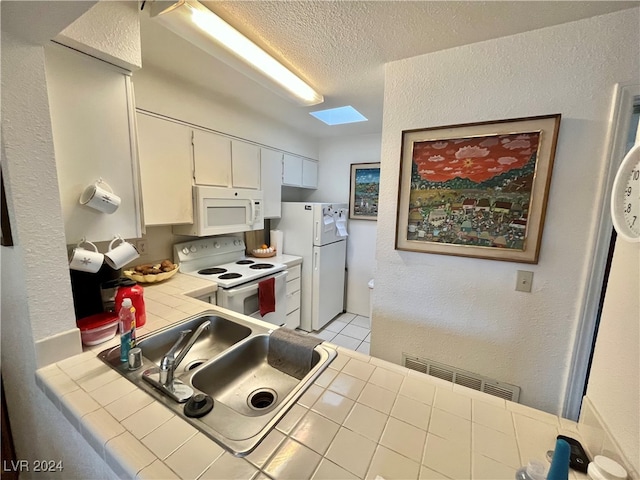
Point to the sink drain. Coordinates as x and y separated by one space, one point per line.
262 399
194 364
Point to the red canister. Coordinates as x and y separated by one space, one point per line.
130 289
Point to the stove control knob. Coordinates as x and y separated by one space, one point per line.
193 249
216 245
185 250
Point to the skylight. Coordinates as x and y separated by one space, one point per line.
339 116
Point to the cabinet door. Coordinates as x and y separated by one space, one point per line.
271 181
165 171
93 122
309 173
245 165
212 159
292 170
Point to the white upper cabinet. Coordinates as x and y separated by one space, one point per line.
309 173
245 165
271 173
212 159
93 123
299 172
165 170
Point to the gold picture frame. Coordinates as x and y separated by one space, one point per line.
477 190
364 191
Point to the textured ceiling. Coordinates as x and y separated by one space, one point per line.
340 47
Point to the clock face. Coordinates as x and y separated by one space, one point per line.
625 197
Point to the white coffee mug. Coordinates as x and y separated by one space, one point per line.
118 256
100 196
412 228
86 260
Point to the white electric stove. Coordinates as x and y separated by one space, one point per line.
222 260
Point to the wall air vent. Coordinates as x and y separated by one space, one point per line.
462 377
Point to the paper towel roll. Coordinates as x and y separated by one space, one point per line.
277 240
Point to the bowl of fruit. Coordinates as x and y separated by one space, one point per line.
152 273
265 251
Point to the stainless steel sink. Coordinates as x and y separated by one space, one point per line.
229 364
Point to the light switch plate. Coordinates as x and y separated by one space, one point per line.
524 281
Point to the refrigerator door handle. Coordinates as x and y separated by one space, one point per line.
315 261
317 232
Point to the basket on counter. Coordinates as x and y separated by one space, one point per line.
262 254
151 277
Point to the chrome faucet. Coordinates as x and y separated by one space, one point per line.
170 362
163 377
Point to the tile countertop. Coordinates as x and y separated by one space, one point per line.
363 417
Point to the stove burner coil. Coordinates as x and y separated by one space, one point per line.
261 266
244 262
229 276
212 271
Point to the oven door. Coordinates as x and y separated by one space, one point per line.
244 299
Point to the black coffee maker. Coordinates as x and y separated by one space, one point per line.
87 289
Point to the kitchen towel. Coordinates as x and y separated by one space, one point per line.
267 296
290 352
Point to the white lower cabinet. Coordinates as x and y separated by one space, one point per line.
293 297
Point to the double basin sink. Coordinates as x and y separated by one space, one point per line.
228 363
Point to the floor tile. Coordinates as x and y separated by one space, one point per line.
368 338
351 451
326 335
345 317
336 326
354 331
365 347
361 321
346 342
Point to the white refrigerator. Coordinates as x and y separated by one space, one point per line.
317 233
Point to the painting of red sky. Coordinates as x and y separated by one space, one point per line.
478 158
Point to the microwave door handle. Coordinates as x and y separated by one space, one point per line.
253 212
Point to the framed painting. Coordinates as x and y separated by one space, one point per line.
364 190
477 190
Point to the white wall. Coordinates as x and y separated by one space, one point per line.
159 93
36 293
614 381
336 157
462 311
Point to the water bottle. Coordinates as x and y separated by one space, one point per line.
127 322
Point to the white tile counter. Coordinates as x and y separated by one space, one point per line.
362 417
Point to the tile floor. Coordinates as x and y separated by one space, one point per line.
347 330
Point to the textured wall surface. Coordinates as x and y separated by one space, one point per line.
614 382
109 31
36 291
462 311
336 157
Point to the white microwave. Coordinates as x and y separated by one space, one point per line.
219 210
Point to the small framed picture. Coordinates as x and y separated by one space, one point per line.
477 190
364 191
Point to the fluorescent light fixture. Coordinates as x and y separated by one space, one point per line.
197 24
340 115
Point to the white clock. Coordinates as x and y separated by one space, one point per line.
625 197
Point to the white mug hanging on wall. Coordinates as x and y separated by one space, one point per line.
100 197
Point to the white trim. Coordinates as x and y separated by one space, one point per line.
623 102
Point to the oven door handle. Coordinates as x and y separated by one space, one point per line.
253 286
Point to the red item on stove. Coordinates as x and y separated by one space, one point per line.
267 296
